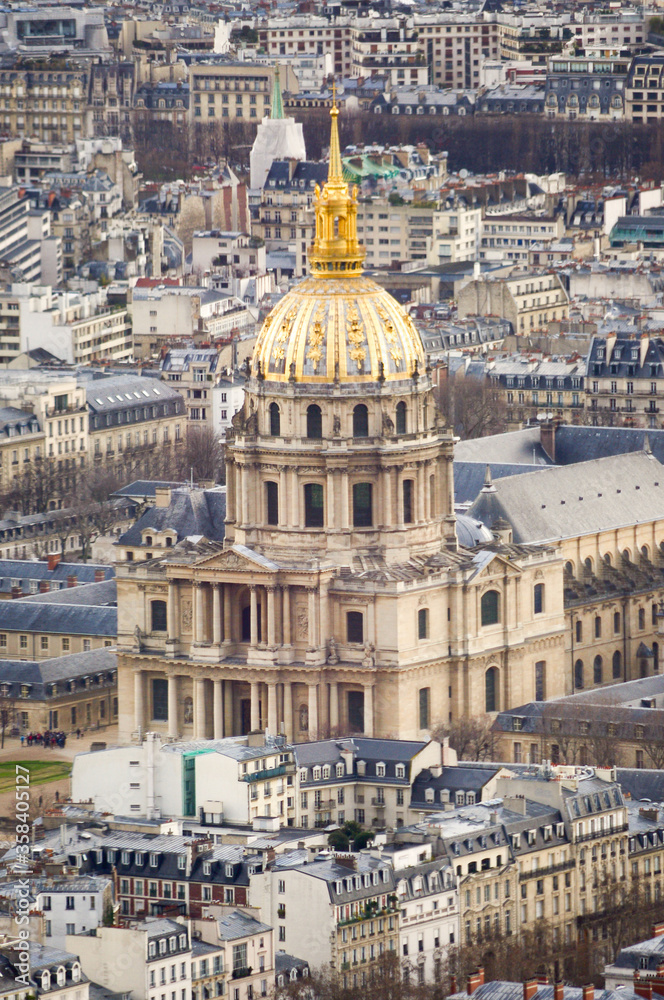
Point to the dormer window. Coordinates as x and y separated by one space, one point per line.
182 861
229 871
326 771
172 943
152 949
317 774
75 972
183 940
380 770
154 860
340 770
303 774
46 980
338 887
207 868
62 975
401 770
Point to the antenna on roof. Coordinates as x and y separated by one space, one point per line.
191 474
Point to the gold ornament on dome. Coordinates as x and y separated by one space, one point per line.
355 333
316 337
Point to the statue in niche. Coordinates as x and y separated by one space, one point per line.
369 658
388 424
138 637
332 656
304 719
186 615
336 426
188 711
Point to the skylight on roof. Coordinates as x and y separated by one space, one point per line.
97 400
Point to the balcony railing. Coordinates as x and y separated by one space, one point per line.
242 973
269 772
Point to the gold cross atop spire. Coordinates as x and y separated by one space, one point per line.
335 171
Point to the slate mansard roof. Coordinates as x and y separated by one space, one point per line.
191 513
51 677
566 501
64 619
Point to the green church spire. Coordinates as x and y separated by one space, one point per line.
277 101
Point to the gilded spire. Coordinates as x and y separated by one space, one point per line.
277 100
335 171
336 251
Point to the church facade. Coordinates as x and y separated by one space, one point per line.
335 592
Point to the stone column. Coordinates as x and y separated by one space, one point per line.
345 500
368 710
387 498
199 614
245 495
313 643
330 500
285 616
171 616
173 700
313 711
334 707
218 704
199 708
238 492
288 710
272 723
284 513
295 498
139 702
228 637
253 611
255 708
271 630
419 514
324 614
228 708
216 614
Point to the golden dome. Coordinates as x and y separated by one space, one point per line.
337 324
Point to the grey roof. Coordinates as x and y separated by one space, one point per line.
284 963
580 444
470 532
642 955
25 570
566 501
498 990
469 476
110 393
514 448
143 489
40 674
239 925
191 512
643 783
102 594
68 619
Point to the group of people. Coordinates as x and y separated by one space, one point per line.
51 738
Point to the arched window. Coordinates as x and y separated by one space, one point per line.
314 421
627 555
275 420
423 623
607 558
645 552
272 502
490 607
616 622
158 616
401 418
362 505
538 599
407 489
569 568
588 565
313 505
617 665
354 626
360 421
578 674
491 690
597 670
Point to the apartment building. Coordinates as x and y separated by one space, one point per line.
244 951
145 960
224 89
609 34
428 898
22 442
167 314
285 215
455 46
625 380
644 89
339 909
47 103
110 94
22 236
509 237
65 691
193 374
69 906
530 301
27 577
36 630
531 387
457 235
310 34
389 48
588 88
532 37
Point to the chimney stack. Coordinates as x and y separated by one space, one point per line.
589 991
16 592
53 560
558 990
72 580
530 989
548 438
642 988
44 586
100 575
453 984
658 929
475 980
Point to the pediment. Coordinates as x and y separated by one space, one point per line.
238 559
488 563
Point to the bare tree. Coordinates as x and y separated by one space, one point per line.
33 490
7 712
472 738
202 456
473 407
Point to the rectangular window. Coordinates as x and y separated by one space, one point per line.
272 502
354 626
160 699
424 707
407 501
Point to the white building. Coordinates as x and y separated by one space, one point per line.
227 399
429 921
150 960
75 906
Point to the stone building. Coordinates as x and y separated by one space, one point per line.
335 597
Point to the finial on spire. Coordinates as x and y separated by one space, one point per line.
277 110
488 482
335 171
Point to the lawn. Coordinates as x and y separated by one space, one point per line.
41 772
